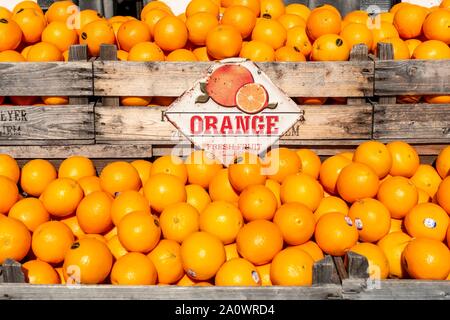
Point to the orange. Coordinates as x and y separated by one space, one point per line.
445 4
131 33
146 51
198 26
154 5
436 25
55 100
83 18
243 18
375 155
312 249
5 13
296 37
76 167
112 232
72 223
51 241
224 41
442 195
432 49
310 162
196 6
11 56
398 6
30 211
139 231
32 23
372 219
94 212
186 282
257 202
335 234
166 258
400 48
357 16
172 165
201 168
152 18
9 168
442 162
90 184
280 163
62 196
412 45
97 33
272 9
202 255
423 196
27 5
385 30
330 170
15 239
378 262
405 159
292 267
119 176
298 9
330 204
246 170
257 51
301 188
40 272
143 168
427 178
178 221
296 222
399 195
237 272
254 5
384 17
58 34
222 220
220 187
357 33
197 197
170 33
271 32
408 21
23 100
135 101
66 59
10 34
291 20
330 47
133 269
231 251
44 52
393 246
357 181
202 54
116 248
322 21
264 274
259 241
434 99
60 11
275 187
88 261
290 54
427 220
162 190
122 55
427 259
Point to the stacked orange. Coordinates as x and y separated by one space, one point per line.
261 221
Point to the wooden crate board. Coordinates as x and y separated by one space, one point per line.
115 124
412 77
41 124
312 79
427 122
46 79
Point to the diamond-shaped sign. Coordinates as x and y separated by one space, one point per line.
235 108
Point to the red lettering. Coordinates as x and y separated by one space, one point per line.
271 124
241 126
196 125
235 125
257 124
226 127
210 125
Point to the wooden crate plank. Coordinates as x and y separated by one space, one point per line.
412 77
145 124
12 272
78 53
97 292
108 52
21 123
312 79
46 79
385 51
407 289
407 121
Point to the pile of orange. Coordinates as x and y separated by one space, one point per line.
260 221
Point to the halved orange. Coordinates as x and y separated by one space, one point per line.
252 98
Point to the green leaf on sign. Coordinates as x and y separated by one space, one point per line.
202 99
203 87
272 105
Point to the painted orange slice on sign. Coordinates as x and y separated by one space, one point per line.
252 98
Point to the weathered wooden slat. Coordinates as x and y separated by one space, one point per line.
20 123
79 53
46 79
385 51
12 272
419 121
325 272
145 124
360 52
97 292
108 52
357 266
412 77
312 79
359 289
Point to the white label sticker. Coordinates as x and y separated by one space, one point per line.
358 224
349 221
429 223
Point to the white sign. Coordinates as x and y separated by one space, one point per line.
177 6
425 3
235 108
